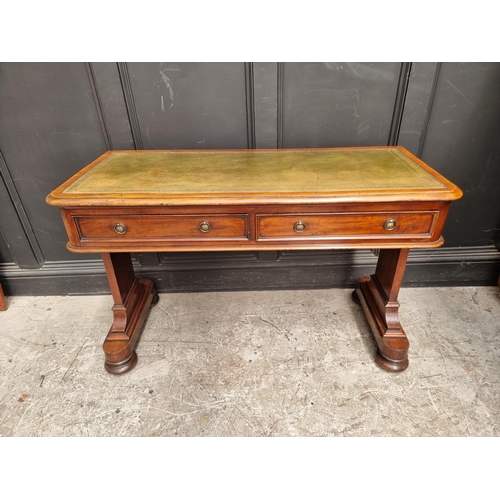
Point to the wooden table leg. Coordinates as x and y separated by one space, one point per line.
3 302
133 298
378 295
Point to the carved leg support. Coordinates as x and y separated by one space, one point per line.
133 298
378 295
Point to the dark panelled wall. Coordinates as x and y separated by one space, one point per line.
55 118
338 104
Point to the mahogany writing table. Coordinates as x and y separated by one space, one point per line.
344 198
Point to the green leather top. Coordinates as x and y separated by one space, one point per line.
253 171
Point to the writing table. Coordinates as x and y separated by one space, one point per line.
297 199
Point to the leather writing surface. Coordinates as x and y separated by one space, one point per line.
194 172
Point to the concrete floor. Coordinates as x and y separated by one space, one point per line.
286 363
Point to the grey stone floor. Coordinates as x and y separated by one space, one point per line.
285 363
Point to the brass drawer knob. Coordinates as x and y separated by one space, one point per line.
389 224
120 228
299 226
205 226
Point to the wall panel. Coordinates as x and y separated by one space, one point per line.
49 129
5 255
57 117
112 103
462 142
190 105
333 104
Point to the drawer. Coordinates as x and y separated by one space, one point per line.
128 228
345 225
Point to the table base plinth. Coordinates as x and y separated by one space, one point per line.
133 298
119 346
392 354
378 294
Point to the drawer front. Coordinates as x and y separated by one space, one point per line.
345 225
134 228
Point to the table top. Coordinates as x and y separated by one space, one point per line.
145 178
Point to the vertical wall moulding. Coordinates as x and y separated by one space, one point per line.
34 256
399 103
98 106
130 105
250 105
280 104
3 240
430 102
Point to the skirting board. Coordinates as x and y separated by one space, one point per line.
465 266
